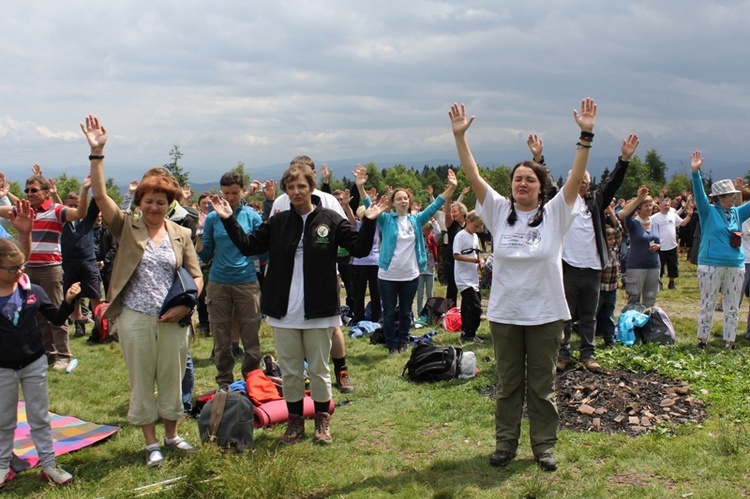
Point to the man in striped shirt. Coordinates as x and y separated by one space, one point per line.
45 263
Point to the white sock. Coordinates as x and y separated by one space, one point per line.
152 446
171 440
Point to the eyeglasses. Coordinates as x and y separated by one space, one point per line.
32 190
14 269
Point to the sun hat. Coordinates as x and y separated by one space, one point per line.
722 187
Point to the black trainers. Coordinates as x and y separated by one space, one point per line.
546 461
501 458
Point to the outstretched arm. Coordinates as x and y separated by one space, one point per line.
634 203
460 124
96 135
585 120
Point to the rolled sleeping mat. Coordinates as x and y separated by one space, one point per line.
275 412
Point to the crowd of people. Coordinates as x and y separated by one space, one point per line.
559 255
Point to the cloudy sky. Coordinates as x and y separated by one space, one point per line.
263 81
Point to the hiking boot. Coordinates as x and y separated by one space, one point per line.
702 344
501 458
179 444
56 475
672 285
322 428
731 345
591 365
80 329
6 475
154 457
343 381
561 364
546 461
295 430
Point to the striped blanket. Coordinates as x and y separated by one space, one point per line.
68 434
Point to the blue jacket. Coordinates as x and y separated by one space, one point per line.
715 249
388 223
229 265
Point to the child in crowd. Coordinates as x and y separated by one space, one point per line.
466 255
605 314
430 230
23 358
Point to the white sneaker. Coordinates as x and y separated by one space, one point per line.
56 475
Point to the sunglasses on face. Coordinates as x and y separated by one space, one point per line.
32 190
14 269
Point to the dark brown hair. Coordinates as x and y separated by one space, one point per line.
541 174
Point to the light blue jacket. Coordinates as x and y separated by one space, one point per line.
716 224
388 223
229 265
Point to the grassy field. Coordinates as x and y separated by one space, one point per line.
393 438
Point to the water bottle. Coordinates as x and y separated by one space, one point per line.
73 364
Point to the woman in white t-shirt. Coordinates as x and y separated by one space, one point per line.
527 304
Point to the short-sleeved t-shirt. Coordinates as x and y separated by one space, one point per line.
527 283
465 273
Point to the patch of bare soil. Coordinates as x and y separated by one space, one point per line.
623 402
620 402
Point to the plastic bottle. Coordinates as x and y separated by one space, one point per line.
73 364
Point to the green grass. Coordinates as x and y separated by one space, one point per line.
395 438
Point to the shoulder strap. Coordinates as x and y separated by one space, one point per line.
217 411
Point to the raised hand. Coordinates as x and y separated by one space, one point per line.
360 175
738 184
36 170
22 218
466 189
536 146
325 173
270 190
375 209
95 133
187 193
253 188
452 180
696 161
430 190
587 117
459 122
52 186
86 182
642 192
629 145
4 186
221 206
73 291
132 186
346 197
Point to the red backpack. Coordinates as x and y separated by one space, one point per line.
103 328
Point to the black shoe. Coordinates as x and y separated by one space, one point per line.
672 285
546 461
80 329
702 345
238 353
471 339
501 458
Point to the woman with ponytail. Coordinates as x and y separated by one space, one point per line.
527 304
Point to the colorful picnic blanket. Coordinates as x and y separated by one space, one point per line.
68 434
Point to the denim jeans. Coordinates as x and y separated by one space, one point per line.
392 292
188 381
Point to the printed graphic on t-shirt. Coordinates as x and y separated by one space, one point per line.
531 237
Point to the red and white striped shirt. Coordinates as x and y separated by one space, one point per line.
45 234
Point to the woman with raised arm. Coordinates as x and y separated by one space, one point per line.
402 257
300 293
642 271
151 250
720 257
527 304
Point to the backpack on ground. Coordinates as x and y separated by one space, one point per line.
658 329
435 307
227 420
451 320
432 363
104 329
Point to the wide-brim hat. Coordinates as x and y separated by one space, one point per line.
722 187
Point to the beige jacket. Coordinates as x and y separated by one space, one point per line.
132 235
